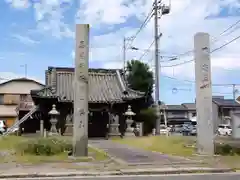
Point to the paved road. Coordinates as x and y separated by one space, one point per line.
229 176
132 155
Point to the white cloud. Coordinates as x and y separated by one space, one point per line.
186 18
19 4
48 15
25 40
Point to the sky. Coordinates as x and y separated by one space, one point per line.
41 33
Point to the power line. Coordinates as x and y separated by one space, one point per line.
214 50
146 51
145 22
212 41
230 27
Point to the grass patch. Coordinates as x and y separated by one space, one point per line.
173 145
23 150
97 154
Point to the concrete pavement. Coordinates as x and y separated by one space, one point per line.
130 155
229 176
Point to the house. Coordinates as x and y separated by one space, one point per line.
221 110
15 98
191 108
108 95
176 114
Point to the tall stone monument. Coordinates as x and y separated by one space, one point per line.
80 117
205 137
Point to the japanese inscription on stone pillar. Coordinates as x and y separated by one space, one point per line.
203 94
81 89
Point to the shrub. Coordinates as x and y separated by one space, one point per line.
223 149
148 116
227 149
44 146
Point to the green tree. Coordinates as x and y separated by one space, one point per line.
139 76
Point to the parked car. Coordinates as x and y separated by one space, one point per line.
164 130
178 128
186 129
193 131
224 130
3 126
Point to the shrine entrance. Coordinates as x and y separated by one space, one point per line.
97 124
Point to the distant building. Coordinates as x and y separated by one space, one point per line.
176 114
191 107
15 98
221 109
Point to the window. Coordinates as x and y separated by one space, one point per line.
25 97
1 99
177 113
11 99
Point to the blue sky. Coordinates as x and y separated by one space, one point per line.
40 33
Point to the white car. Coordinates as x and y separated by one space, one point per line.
164 130
3 126
224 130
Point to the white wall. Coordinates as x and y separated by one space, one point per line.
19 87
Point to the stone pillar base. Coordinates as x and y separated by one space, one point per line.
53 134
68 130
129 134
114 131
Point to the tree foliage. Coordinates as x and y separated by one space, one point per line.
140 77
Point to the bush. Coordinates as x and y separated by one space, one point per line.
223 149
44 146
148 117
226 149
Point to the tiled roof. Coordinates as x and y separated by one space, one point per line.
190 106
104 85
175 107
226 102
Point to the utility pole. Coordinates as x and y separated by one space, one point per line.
234 91
25 69
164 9
124 53
158 121
80 118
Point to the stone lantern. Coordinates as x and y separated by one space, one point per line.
53 120
129 114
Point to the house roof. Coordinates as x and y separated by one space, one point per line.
189 106
21 79
105 85
175 107
225 102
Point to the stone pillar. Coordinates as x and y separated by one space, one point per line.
205 137
41 128
129 114
54 114
139 126
114 125
69 125
235 118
